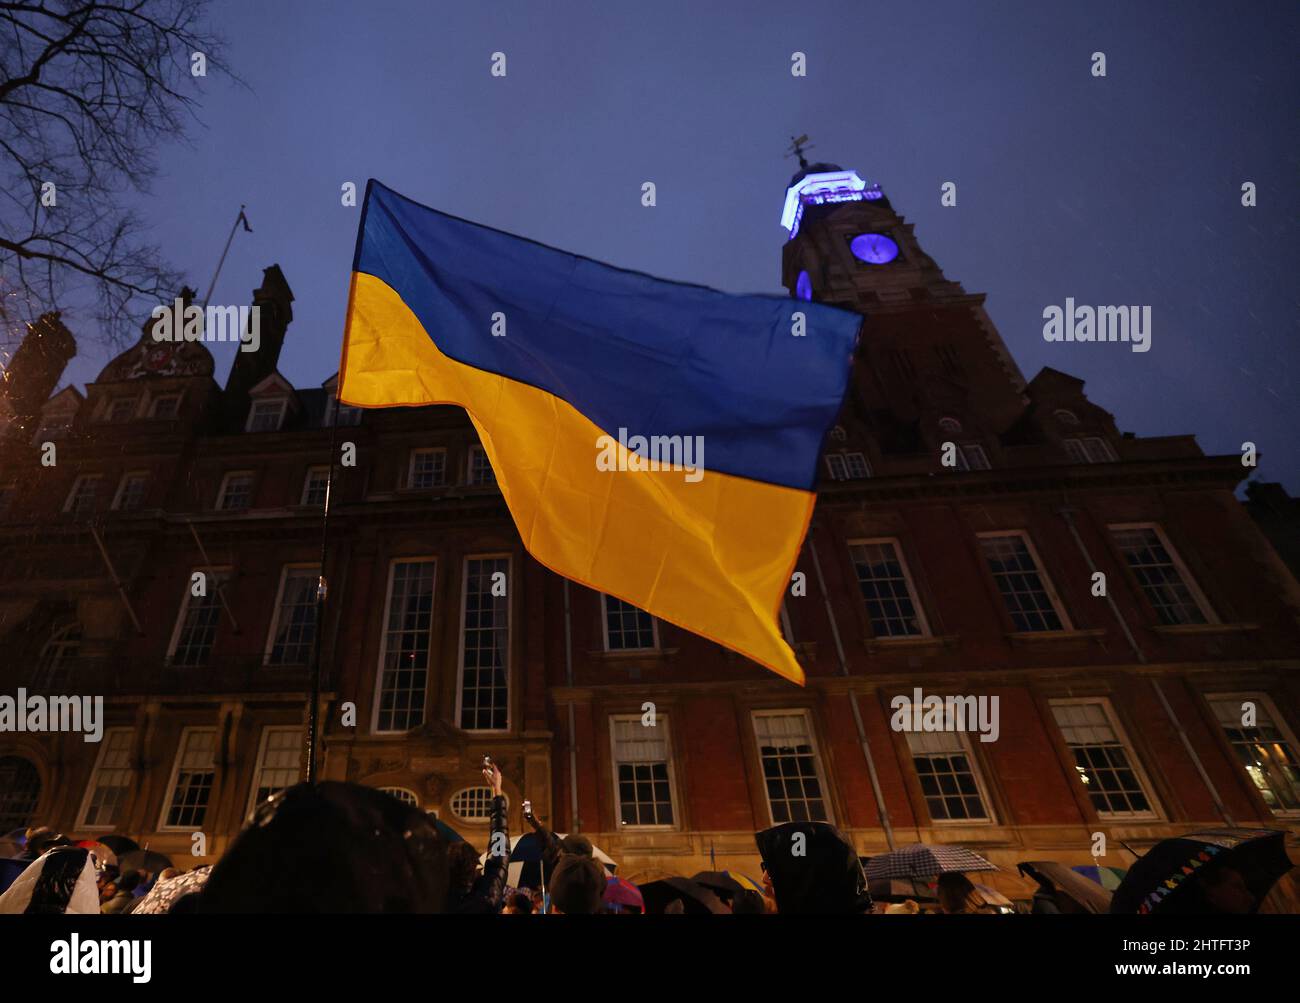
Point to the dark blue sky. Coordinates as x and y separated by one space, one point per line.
1123 190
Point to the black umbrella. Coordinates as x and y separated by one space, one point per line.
142 861
695 898
121 845
814 869
1215 871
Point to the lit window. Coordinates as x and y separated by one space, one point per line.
485 645
82 497
628 628
267 415
110 784
1024 588
428 469
887 589
480 470
1102 759
314 486
278 764
236 492
165 407
192 780
130 492
122 409
473 804
1089 449
293 630
196 628
642 779
1265 749
791 768
1160 575
402 795
949 780
404 659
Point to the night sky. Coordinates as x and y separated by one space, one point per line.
1122 190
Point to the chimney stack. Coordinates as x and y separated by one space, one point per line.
273 302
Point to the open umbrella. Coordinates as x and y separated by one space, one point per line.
121 845
1088 896
994 899
727 882
1210 872
104 856
923 861
525 866
1107 877
622 893
695 898
144 860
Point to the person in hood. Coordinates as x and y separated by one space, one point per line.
814 869
331 848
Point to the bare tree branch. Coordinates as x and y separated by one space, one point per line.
88 92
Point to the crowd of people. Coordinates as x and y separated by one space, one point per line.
382 855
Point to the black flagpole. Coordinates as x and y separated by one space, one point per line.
322 590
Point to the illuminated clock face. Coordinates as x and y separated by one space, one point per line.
873 248
803 286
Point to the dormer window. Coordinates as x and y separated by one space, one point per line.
122 409
838 433
1089 449
847 466
1065 417
165 406
971 456
343 415
53 427
267 415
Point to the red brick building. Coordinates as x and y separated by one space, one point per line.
964 519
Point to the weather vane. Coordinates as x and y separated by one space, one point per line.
797 148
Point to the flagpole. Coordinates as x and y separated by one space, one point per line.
322 591
226 250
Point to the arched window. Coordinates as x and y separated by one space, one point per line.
838 433
403 795
20 790
1066 417
473 804
949 425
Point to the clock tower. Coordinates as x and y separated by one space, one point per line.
929 351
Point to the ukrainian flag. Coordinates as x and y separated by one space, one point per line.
552 355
